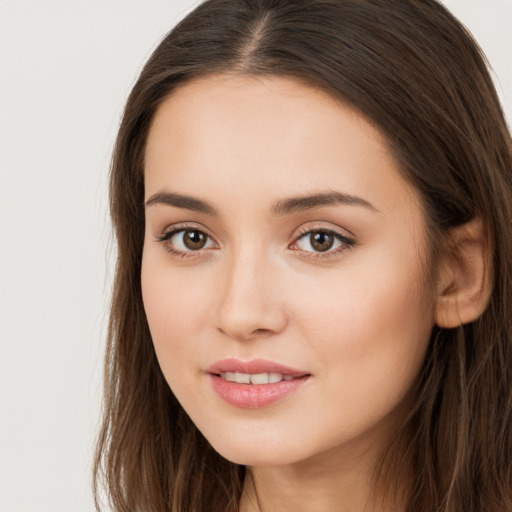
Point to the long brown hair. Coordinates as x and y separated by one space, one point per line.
415 72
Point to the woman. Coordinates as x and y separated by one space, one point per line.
312 305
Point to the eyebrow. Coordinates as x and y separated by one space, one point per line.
297 204
281 207
181 201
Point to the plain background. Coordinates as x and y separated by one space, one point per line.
66 69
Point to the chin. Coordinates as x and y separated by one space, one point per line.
247 456
259 451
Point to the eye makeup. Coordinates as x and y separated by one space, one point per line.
190 240
186 240
322 243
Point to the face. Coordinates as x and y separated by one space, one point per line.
282 274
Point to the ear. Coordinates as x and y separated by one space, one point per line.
465 278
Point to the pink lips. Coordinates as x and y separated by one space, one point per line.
254 396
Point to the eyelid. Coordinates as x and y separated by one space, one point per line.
171 230
347 239
323 226
183 226
344 236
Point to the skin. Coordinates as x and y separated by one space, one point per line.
357 317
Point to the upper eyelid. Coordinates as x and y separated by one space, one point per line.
303 230
164 238
347 240
184 226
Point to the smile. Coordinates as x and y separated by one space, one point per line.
254 384
255 378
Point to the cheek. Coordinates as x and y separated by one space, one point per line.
175 313
371 329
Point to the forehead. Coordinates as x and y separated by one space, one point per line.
253 140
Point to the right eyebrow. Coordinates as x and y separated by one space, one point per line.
181 201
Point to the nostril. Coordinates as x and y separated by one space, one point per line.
261 331
246 335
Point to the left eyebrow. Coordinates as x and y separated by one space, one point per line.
301 203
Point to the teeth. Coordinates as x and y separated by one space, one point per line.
260 378
256 378
242 378
275 377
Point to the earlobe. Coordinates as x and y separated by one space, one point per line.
465 278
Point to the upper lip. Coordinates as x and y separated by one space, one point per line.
253 367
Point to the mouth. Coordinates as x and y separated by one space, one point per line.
254 384
254 378
255 371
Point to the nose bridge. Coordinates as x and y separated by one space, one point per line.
249 304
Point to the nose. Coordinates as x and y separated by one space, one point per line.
250 305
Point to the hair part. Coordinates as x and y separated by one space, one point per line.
416 73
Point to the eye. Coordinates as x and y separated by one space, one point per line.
322 241
182 241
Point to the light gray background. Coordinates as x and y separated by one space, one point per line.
66 69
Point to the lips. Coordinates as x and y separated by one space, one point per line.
254 384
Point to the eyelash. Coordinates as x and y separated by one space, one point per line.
345 242
164 237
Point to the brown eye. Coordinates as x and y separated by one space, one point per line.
321 241
194 239
186 240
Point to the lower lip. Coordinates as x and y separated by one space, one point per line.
254 396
